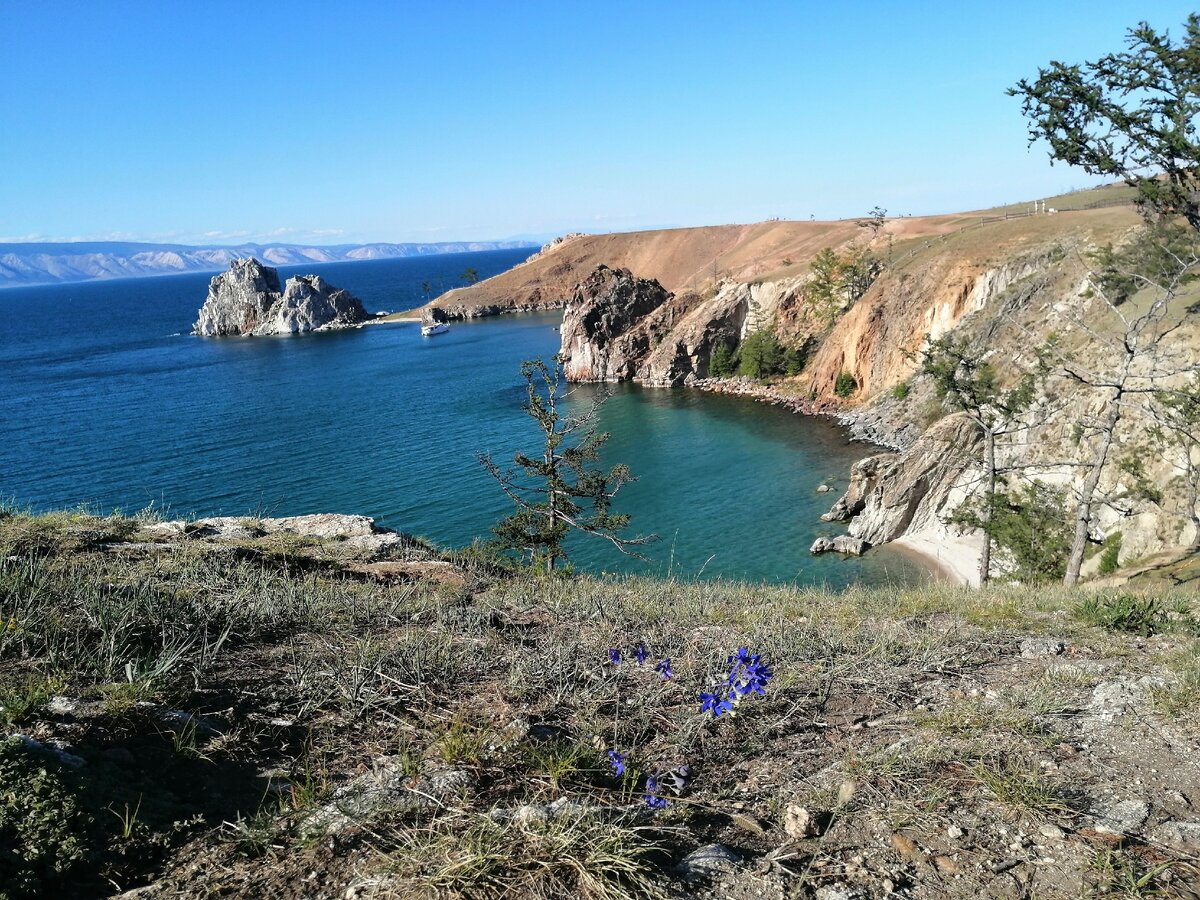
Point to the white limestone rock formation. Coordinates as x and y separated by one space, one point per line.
247 300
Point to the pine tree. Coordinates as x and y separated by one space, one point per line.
723 361
560 491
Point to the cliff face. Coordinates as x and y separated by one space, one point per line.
247 300
892 494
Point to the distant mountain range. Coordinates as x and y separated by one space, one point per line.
26 264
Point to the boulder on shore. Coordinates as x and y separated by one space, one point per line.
843 543
248 300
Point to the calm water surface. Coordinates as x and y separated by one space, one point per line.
106 400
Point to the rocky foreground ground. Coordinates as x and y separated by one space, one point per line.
314 707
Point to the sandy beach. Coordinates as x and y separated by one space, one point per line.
956 559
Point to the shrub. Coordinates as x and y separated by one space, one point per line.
42 825
1109 557
1124 612
845 385
900 391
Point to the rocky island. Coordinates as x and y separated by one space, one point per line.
247 300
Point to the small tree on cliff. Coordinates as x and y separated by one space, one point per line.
1130 114
561 490
969 385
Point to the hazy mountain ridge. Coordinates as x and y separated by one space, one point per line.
49 263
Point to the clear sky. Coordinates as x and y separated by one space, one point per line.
338 122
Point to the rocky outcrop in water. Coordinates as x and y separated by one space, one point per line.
248 300
893 493
618 327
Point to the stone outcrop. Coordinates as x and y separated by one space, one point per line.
604 331
618 327
843 543
893 493
248 300
355 532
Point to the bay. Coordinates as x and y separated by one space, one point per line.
107 401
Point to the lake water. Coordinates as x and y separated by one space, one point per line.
107 401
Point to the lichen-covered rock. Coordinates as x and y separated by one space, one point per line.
248 300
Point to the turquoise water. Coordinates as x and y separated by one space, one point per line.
107 401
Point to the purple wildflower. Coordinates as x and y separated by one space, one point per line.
641 653
651 796
664 669
714 704
614 656
617 761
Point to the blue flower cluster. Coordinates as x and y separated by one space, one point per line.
641 654
653 800
617 761
748 675
619 766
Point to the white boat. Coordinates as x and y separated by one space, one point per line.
434 328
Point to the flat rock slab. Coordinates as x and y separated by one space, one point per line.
1122 817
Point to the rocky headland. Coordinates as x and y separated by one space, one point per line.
248 300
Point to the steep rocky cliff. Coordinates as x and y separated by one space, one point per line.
247 300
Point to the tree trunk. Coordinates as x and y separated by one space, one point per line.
1083 512
989 462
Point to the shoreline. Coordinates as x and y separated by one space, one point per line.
951 561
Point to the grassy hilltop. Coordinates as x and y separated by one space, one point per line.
281 715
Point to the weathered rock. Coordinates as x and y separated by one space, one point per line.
248 300
358 532
708 862
59 750
840 892
892 493
1179 835
618 327
1111 698
387 787
1033 647
800 823
843 543
1122 817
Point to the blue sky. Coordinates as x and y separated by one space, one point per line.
398 121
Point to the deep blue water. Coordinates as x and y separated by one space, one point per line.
107 401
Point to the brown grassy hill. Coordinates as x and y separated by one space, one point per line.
696 258
678 258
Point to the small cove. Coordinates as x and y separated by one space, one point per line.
107 401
